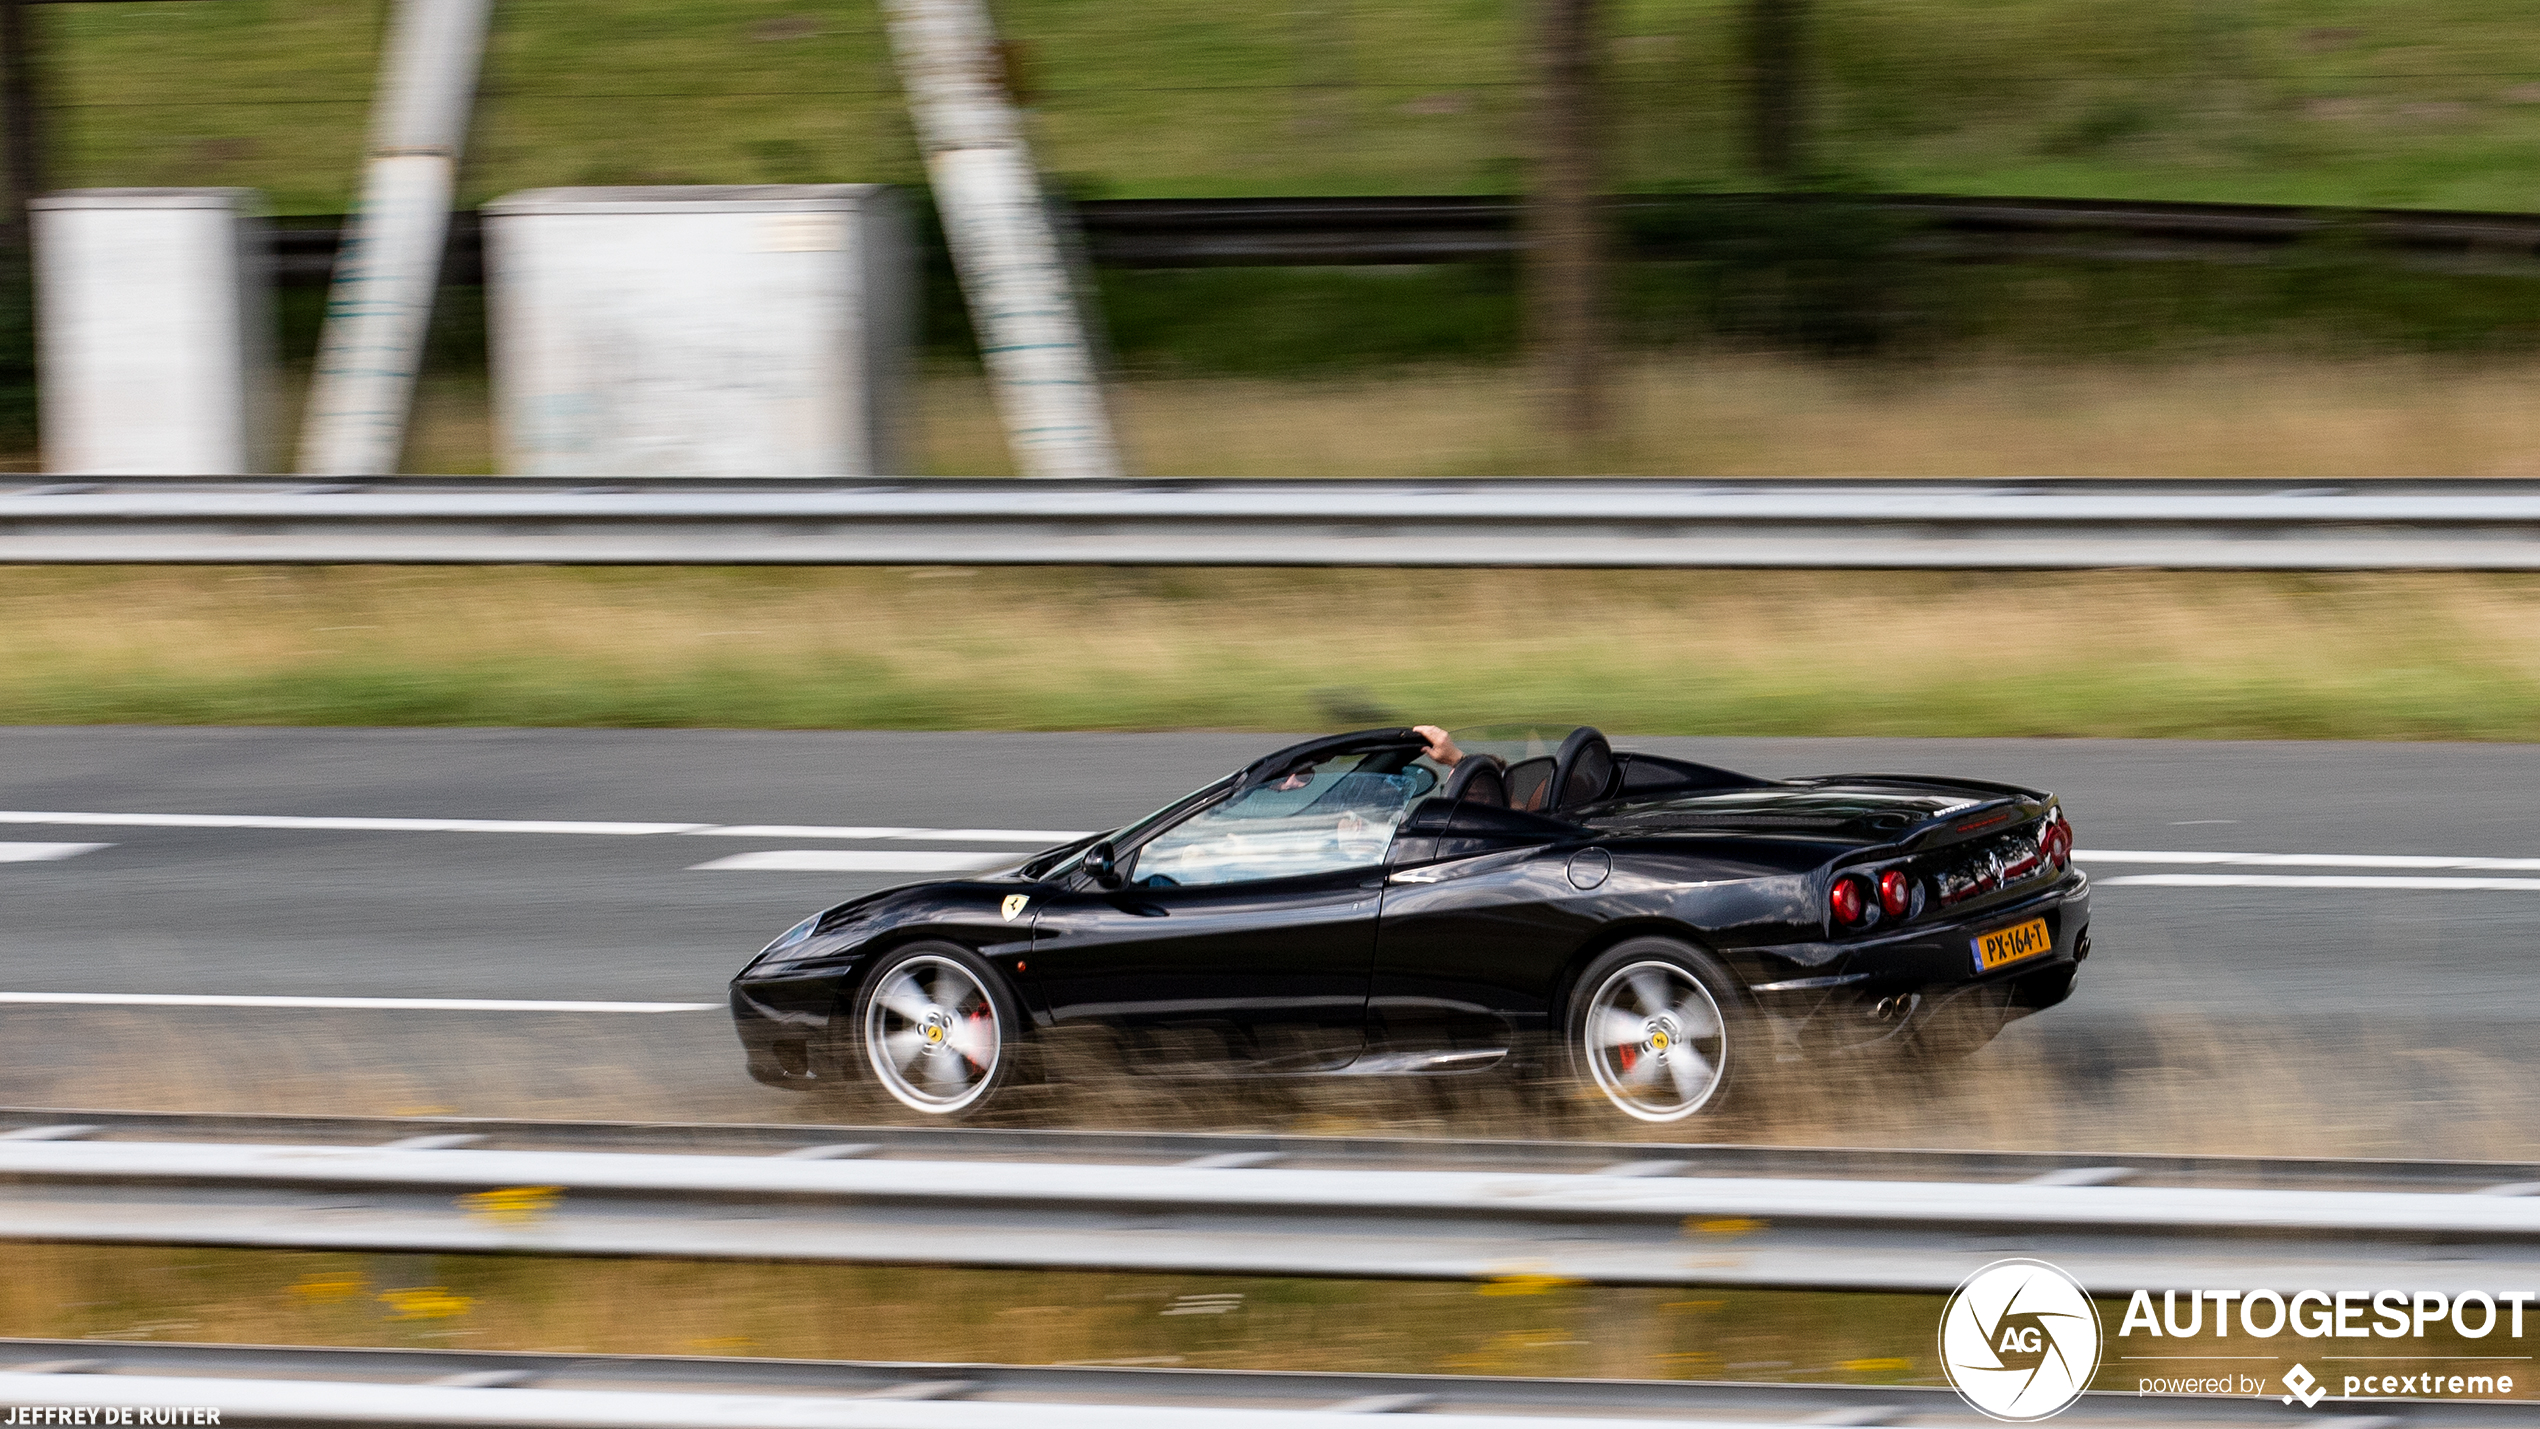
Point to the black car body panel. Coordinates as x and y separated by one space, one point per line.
1455 945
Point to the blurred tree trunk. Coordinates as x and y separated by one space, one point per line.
22 155
1777 87
24 115
1565 276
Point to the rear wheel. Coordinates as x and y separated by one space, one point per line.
1656 1028
937 1029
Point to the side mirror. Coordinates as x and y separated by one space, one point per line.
1100 865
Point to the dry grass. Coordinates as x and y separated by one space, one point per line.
586 1306
1757 415
1518 1325
357 1063
1767 416
1764 416
2362 656
2177 1085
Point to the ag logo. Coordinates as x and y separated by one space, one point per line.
1014 905
2020 1340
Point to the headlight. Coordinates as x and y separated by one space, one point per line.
799 933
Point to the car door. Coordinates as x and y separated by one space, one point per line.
1244 935
1478 912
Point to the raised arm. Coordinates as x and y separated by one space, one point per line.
1441 748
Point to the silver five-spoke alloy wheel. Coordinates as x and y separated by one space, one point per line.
931 1033
1656 1042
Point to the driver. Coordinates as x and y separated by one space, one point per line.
1441 745
1353 830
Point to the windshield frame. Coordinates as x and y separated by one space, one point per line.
1128 837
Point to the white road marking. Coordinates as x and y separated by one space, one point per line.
395 1004
852 860
2326 880
44 853
333 823
337 824
2310 860
1039 838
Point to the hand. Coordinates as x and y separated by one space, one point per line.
1441 748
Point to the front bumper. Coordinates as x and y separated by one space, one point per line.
786 1026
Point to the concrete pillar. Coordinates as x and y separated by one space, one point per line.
155 332
747 331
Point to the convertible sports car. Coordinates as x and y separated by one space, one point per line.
1661 930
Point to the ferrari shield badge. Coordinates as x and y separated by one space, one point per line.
1015 903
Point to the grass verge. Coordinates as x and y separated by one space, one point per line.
1749 414
1522 1324
1514 1324
1517 1324
2164 1078
2394 656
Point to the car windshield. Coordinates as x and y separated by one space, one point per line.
1320 816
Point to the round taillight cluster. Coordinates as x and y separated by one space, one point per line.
1865 899
2057 841
1858 900
1850 900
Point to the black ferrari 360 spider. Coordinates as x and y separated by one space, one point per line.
1661 930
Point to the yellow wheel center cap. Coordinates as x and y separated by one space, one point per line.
1657 1041
934 1033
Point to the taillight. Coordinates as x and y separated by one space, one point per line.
1895 894
1850 899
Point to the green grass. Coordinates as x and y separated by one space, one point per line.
2429 104
2119 654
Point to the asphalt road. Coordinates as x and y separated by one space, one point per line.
509 914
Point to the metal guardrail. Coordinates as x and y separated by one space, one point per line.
1001 1145
287 1385
1623 1226
1290 232
2465 525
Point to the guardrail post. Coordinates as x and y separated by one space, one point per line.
372 343
1013 272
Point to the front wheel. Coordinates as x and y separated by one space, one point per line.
937 1029
1657 1029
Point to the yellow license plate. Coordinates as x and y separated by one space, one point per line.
2008 946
